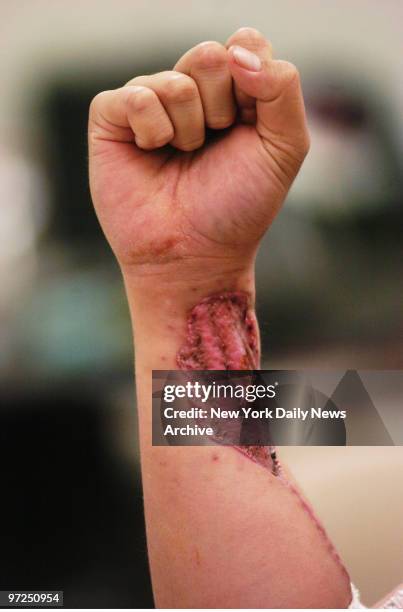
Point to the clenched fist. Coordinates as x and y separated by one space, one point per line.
190 166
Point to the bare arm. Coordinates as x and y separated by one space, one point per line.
223 530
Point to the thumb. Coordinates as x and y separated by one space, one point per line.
281 120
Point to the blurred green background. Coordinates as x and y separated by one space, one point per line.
330 281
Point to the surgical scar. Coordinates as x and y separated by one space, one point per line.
222 335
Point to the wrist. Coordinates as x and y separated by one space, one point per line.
170 291
161 302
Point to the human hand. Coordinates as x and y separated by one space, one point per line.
166 194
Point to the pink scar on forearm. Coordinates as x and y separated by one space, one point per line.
221 335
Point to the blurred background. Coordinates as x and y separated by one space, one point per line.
330 279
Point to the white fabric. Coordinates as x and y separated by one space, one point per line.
395 602
355 602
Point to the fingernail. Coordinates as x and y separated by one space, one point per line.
246 59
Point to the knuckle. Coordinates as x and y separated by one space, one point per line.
210 55
180 88
154 141
145 145
220 122
132 81
189 146
139 99
290 72
98 101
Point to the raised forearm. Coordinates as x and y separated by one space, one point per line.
223 531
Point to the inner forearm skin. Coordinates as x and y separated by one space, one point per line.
209 499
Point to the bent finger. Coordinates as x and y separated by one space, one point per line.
129 114
179 95
280 106
207 64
